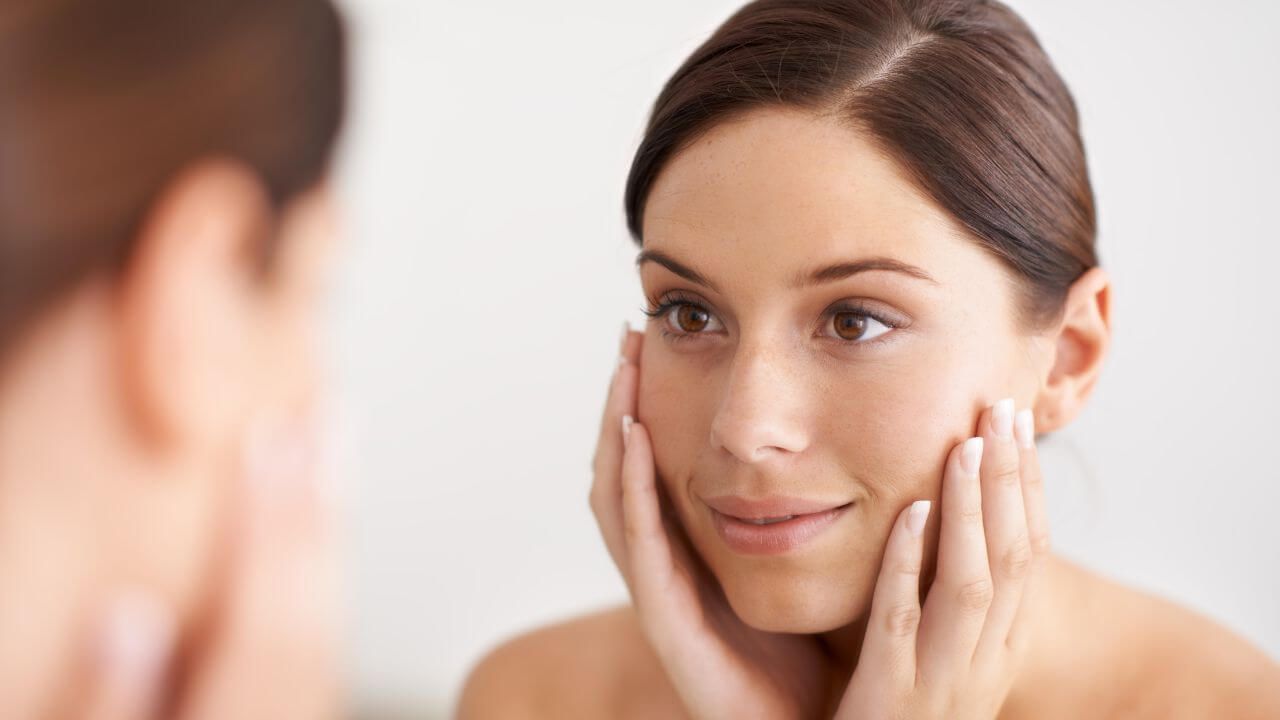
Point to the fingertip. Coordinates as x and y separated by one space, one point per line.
918 516
971 455
135 640
631 343
1024 428
1001 419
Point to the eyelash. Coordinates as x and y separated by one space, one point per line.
661 308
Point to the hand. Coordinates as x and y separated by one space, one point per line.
720 667
956 659
953 660
270 650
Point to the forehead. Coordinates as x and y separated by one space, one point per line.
779 190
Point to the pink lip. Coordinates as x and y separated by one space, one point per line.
809 518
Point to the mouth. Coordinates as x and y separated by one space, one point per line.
772 526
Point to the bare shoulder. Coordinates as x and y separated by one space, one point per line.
597 665
1171 661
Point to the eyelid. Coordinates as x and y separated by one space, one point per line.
893 321
875 311
661 309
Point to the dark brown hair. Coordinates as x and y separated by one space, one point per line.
103 103
958 91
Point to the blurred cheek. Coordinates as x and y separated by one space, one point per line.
291 361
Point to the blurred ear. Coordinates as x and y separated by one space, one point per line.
1080 343
186 304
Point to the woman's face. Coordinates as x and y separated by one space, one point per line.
824 335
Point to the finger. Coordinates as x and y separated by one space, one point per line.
606 486
648 550
273 648
134 645
888 656
662 589
1032 485
628 354
956 608
1037 520
1005 521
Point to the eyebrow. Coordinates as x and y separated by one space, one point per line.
840 271
828 274
675 266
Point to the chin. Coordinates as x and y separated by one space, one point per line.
795 604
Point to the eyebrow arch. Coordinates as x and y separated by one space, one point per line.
840 271
670 263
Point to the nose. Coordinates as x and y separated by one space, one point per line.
760 415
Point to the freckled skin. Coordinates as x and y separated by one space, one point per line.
768 403
771 405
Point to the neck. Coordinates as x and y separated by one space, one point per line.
80 508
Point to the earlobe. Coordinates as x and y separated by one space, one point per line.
1081 340
182 309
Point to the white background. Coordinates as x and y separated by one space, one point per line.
488 272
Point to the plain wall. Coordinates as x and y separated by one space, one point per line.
481 294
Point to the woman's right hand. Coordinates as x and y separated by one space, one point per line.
720 667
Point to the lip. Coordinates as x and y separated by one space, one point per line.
732 517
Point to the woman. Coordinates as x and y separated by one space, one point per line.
867 238
164 217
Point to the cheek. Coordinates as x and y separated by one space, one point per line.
897 421
676 403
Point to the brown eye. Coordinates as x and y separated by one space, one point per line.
850 326
692 319
854 326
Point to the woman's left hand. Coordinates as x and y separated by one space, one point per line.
956 657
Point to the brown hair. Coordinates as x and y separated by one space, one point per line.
102 103
958 91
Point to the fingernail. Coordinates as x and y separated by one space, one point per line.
626 427
917 516
971 455
135 643
1002 418
626 332
1024 426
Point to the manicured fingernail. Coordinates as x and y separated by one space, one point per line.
1024 426
917 516
971 455
626 427
626 332
1002 418
135 643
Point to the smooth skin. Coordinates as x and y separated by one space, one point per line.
949 661
759 237
166 542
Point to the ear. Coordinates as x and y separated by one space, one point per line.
186 304
1080 342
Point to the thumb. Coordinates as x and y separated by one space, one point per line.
133 644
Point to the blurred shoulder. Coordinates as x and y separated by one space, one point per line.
597 665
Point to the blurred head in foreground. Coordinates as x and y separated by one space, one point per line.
164 224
